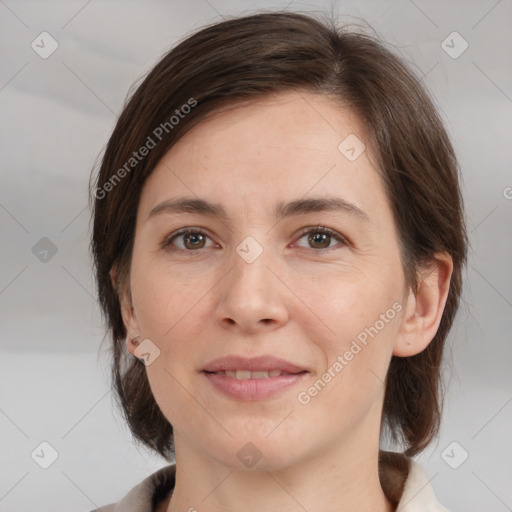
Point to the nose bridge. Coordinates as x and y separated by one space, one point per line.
252 295
251 277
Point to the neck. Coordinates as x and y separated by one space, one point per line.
346 480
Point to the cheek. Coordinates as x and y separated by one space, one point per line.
166 300
363 317
344 308
355 358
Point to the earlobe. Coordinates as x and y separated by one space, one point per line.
131 326
127 312
129 320
424 309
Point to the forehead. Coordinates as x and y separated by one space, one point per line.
284 145
285 124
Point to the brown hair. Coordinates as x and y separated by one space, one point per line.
240 59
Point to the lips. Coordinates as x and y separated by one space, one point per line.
254 365
256 378
247 374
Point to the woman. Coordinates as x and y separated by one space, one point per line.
278 243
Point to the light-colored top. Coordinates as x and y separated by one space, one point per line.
402 480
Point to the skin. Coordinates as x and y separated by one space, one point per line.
299 300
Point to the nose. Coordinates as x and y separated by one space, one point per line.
253 298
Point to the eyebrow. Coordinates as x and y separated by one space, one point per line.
282 210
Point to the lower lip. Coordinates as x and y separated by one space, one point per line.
252 389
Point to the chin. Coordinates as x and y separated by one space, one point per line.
257 452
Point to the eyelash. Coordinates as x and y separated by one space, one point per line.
312 229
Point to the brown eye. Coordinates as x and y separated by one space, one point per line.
194 240
187 239
322 238
319 240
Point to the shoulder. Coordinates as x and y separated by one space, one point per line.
418 495
406 485
146 495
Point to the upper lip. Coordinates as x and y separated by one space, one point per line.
261 363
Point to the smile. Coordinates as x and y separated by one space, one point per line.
247 374
252 378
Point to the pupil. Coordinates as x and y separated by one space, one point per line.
320 238
194 239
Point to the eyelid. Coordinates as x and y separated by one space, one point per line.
323 229
343 240
167 241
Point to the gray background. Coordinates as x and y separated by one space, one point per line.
56 115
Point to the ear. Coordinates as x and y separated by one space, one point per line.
127 310
424 309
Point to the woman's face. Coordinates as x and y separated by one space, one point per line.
259 280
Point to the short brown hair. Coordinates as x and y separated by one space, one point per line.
241 59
